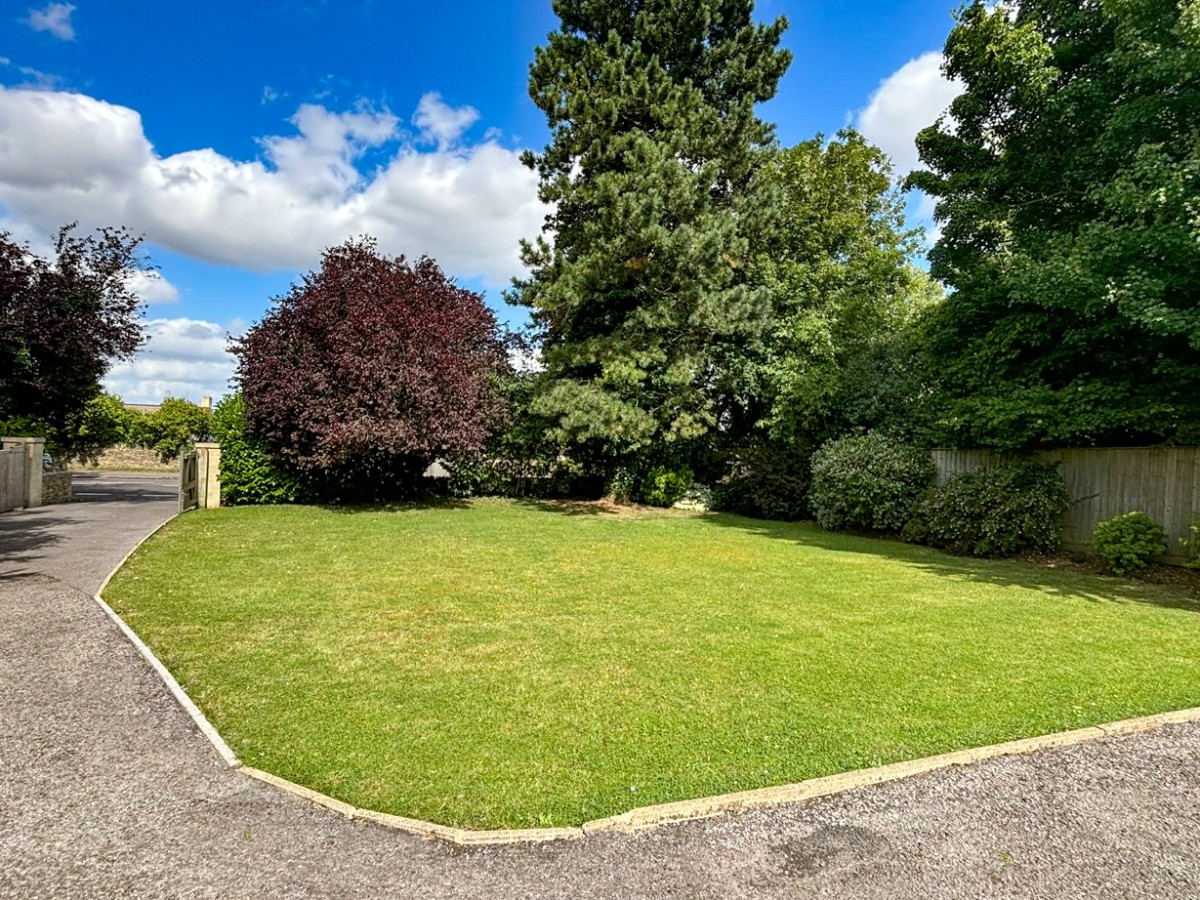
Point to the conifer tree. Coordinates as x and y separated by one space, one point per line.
650 171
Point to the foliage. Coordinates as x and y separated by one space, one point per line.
869 482
1128 542
248 474
63 321
622 484
173 428
843 294
650 173
766 479
522 458
104 422
368 370
526 665
1066 177
1013 508
1192 543
665 487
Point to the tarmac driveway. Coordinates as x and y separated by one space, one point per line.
107 789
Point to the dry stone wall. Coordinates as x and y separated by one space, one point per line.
126 457
56 488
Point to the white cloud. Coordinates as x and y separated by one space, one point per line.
70 157
182 358
442 124
908 100
55 18
151 287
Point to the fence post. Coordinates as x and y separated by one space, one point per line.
208 476
33 447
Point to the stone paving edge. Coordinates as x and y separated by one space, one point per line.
643 817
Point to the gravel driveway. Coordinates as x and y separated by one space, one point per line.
107 789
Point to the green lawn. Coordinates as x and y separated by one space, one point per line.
506 664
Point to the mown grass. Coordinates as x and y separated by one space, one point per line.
507 664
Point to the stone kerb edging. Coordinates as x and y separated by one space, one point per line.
162 671
646 816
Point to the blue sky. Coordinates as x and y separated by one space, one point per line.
241 139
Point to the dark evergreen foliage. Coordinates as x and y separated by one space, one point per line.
651 170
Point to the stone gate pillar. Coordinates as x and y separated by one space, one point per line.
208 476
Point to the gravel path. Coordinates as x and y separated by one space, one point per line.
107 789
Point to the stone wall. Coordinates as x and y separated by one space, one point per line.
56 488
127 458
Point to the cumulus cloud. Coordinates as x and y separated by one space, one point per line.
67 157
55 19
182 358
151 288
442 124
908 100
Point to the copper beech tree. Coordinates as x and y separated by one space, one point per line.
370 368
63 321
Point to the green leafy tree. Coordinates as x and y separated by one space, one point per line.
843 291
104 422
1067 176
839 351
248 472
650 171
174 427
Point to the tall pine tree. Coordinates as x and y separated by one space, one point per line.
650 170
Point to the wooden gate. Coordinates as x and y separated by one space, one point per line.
188 493
13 480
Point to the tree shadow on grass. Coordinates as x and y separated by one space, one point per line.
574 507
428 503
998 572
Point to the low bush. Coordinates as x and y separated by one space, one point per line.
765 480
665 487
248 474
915 531
1011 509
868 482
1128 542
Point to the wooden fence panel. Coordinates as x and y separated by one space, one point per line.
1162 482
13 483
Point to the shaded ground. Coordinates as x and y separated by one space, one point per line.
80 542
107 789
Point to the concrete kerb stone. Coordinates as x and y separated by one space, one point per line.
646 816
